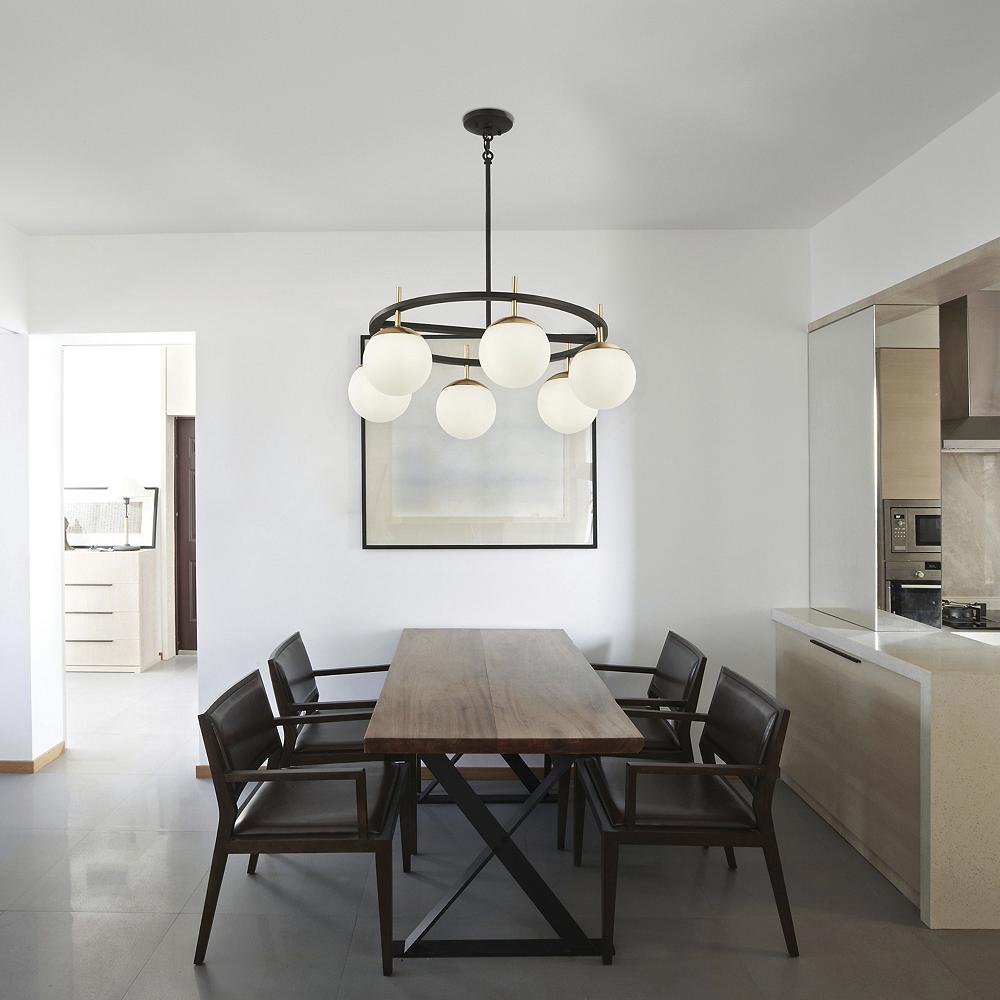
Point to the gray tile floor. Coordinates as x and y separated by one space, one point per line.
103 858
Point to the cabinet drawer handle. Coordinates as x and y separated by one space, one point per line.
89 585
830 649
90 640
90 612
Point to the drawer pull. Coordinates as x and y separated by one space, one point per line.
90 640
88 585
830 649
90 612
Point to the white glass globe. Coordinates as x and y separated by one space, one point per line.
466 409
370 404
560 409
397 361
514 352
602 375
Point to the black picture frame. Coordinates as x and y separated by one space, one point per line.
365 544
155 490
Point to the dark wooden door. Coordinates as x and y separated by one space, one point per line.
187 592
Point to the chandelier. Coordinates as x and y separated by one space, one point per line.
514 351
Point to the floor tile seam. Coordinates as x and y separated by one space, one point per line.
354 927
85 831
149 957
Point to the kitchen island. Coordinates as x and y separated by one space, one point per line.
894 739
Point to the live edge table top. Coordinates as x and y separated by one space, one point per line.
451 690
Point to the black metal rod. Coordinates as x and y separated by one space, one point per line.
489 239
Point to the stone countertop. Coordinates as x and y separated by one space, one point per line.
918 655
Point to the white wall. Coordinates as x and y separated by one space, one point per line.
113 414
13 280
15 636
939 203
46 541
703 475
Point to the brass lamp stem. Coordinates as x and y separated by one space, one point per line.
467 357
513 302
600 331
399 298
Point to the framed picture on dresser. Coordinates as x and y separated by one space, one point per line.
95 519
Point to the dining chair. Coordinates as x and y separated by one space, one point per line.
297 696
293 810
674 683
638 801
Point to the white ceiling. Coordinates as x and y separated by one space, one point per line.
221 115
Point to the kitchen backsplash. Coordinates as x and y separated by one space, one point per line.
970 525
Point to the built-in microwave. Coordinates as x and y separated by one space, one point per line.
912 527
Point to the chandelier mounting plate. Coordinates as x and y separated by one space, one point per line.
488 121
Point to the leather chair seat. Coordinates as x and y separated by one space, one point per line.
327 808
660 735
671 800
333 737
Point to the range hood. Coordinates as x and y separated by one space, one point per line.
970 373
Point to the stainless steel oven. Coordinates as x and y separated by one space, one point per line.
912 527
913 589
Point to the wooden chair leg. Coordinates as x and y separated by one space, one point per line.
383 879
773 860
218 869
563 809
578 817
412 803
252 864
609 890
731 858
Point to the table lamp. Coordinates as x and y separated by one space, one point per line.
126 490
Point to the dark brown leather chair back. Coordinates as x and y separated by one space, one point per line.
292 675
239 734
746 726
679 672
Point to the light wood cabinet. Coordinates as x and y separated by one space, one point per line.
110 610
909 402
853 751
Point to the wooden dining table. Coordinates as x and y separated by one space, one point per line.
507 692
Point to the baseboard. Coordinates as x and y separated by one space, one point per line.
32 766
882 867
469 773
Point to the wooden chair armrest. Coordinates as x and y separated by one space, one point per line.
308 706
341 671
302 720
359 777
659 713
618 668
651 702
632 772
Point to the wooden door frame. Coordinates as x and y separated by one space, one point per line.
174 623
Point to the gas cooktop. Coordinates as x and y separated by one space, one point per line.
968 617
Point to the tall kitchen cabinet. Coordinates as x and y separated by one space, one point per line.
909 406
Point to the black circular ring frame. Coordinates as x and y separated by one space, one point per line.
384 317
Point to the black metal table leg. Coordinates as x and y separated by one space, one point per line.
521 771
425 794
571 940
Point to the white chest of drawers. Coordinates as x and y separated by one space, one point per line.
110 610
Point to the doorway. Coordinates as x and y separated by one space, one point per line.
186 547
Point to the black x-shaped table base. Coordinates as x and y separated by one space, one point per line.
499 842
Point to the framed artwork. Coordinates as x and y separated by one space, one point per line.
521 485
97 520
